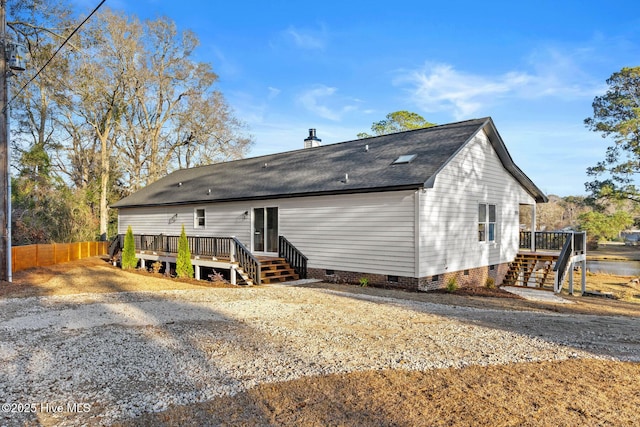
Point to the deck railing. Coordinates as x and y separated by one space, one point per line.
553 240
544 240
219 247
563 261
294 257
246 261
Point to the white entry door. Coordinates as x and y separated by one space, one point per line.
265 230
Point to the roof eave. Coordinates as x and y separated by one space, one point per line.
413 186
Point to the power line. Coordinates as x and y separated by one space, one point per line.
55 53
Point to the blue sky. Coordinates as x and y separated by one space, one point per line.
338 66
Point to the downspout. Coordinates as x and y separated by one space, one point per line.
416 233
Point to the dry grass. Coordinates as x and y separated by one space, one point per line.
569 393
93 275
614 252
574 392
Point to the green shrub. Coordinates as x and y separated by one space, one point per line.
364 282
184 268
129 259
452 284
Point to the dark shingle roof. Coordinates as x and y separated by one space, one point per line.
322 170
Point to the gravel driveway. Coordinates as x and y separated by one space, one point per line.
104 357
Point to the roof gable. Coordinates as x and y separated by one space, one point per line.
361 165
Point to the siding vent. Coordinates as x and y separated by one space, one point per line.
407 158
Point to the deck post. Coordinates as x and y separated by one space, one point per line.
571 266
583 267
196 268
142 263
232 272
533 227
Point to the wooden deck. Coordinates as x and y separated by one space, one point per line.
546 259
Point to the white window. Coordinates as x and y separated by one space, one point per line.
199 218
486 222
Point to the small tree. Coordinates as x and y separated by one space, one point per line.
184 268
129 259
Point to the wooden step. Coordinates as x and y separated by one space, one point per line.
533 267
276 270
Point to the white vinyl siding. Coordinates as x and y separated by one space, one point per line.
368 233
449 212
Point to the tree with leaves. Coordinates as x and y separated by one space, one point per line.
599 225
616 115
129 259
397 121
123 104
184 268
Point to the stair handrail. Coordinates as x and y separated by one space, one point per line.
563 261
246 261
296 259
115 244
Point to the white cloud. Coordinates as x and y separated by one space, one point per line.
273 92
322 101
306 39
438 87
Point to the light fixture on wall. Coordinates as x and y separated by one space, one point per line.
173 219
245 215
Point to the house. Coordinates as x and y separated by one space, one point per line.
410 209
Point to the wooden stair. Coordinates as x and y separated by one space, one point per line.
531 269
276 270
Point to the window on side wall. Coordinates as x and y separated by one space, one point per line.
486 222
199 218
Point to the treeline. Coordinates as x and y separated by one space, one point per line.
122 104
601 219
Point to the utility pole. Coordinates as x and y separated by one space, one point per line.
5 196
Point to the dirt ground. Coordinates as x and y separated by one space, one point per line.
572 392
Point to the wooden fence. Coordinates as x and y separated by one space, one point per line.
29 256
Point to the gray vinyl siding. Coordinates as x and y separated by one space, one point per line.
368 233
448 222
221 220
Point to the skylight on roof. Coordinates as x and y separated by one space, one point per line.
407 158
